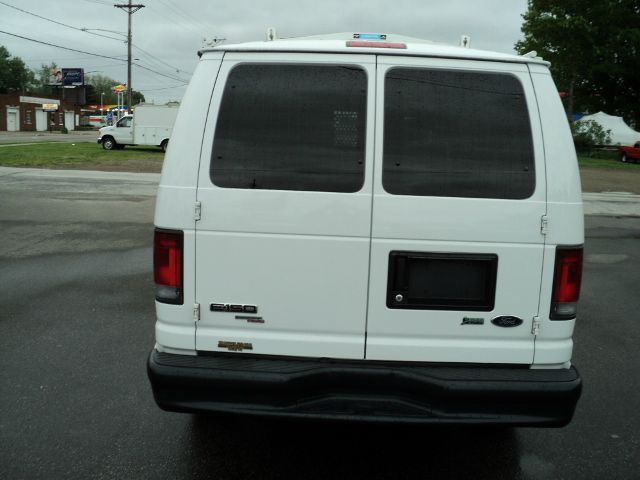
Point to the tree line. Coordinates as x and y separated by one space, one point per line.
593 47
594 50
15 76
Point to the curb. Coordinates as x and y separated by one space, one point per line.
619 204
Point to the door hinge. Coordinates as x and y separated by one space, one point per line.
535 328
544 224
197 210
196 312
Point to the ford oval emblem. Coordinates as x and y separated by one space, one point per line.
507 321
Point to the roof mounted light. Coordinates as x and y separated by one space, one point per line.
373 40
369 36
370 44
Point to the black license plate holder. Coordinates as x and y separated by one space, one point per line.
442 281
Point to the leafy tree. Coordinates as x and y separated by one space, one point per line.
101 84
137 97
593 47
14 74
587 134
42 76
90 94
98 84
16 77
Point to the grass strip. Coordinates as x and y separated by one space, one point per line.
58 155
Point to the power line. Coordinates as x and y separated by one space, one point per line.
99 2
200 28
56 22
84 30
164 88
185 14
161 61
175 69
60 46
177 79
92 54
64 58
175 19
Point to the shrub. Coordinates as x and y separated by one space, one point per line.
588 134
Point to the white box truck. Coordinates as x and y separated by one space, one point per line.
149 125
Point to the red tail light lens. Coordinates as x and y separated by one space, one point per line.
566 283
167 265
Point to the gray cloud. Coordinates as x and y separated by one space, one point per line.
173 31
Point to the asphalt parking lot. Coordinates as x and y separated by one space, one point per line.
76 325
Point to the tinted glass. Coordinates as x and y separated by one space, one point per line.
291 127
456 134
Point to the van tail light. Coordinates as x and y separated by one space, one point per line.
168 257
566 283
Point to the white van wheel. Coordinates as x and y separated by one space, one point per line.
108 143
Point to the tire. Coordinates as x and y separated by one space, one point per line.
108 143
164 144
623 158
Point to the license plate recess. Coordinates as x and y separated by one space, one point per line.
442 281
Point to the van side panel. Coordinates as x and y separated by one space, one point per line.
177 189
565 214
560 152
153 123
564 193
176 198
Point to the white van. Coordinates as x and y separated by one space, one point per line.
151 125
369 227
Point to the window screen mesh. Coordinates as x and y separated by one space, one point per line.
456 134
291 127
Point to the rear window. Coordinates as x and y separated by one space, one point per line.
456 133
291 127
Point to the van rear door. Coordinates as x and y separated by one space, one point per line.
459 196
285 188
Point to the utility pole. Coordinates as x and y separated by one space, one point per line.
131 9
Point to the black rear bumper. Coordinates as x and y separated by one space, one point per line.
363 390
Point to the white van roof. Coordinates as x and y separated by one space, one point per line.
369 43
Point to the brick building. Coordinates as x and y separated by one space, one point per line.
24 113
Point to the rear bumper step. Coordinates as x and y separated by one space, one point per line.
362 390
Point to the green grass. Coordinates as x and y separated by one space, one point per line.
604 159
50 155
86 154
604 163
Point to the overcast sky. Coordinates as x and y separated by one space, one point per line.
168 33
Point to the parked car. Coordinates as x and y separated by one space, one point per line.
324 248
628 153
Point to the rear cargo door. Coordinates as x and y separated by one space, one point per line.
459 197
285 189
